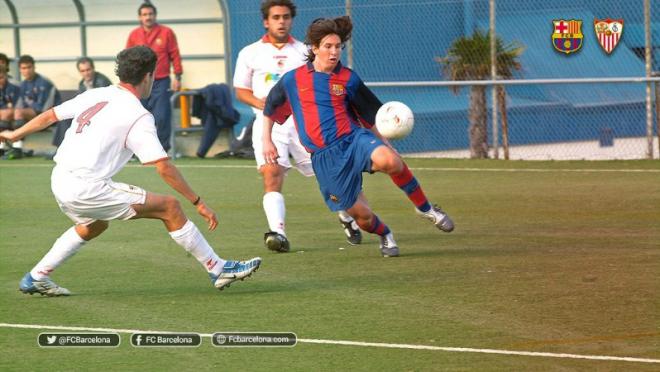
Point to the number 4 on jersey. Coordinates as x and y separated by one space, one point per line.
85 118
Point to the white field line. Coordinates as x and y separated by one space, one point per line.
442 169
363 344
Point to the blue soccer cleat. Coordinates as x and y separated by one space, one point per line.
233 271
44 287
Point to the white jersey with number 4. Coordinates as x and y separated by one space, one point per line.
109 126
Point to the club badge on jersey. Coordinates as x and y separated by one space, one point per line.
337 89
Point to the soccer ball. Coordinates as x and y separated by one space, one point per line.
394 120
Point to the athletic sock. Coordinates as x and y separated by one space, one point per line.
390 240
275 211
345 217
17 144
377 227
192 240
64 247
408 183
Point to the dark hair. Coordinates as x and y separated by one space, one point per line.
3 57
82 60
26 59
134 63
147 5
322 27
267 4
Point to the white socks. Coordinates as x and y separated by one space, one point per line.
390 240
66 246
275 211
17 144
345 217
192 240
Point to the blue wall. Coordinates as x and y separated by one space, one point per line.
399 43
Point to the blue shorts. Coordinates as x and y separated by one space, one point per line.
339 167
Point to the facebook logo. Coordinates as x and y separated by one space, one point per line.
166 339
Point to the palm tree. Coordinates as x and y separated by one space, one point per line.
468 58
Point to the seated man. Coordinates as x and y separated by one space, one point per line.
8 98
90 79
4 62
37 94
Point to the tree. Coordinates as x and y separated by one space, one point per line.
468 58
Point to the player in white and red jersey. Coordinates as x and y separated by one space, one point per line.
258 67
109 126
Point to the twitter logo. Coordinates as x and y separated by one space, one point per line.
51 339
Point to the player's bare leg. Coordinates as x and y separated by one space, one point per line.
6 118
385 160
168 209
368 221
21 116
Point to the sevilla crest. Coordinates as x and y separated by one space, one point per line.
608 32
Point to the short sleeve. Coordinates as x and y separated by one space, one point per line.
243 73
143 140
68 109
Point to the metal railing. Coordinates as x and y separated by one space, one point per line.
175 96
82 23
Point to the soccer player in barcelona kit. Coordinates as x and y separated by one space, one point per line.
258 67
332 109
109 126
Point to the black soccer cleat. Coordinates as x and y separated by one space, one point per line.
352 231
276 242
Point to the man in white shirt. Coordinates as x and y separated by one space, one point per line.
258 68
109 126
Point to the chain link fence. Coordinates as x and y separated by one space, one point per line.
398 41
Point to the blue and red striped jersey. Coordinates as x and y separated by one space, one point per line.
325 107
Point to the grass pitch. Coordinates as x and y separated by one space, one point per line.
556 257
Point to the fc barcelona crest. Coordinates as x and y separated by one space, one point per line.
337 89
567 35
608 32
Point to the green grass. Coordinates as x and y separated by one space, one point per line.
547 261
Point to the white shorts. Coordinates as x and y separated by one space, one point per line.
285 138
85 201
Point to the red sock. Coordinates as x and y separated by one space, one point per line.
408 183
